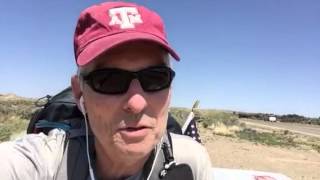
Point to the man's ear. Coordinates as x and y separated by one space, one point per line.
76 88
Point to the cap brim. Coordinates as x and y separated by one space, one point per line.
98 47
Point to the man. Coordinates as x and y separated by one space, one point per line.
123 88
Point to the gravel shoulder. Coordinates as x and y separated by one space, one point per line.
306 129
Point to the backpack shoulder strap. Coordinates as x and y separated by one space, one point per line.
167 151
161 164
74 165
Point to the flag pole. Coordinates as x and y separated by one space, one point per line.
190 116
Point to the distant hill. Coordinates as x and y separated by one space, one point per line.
13 97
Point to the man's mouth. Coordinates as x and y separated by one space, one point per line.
134 133
134 128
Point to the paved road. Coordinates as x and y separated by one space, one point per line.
311 130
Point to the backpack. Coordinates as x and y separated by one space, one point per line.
61 111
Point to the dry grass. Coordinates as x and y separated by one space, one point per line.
14 115
222 129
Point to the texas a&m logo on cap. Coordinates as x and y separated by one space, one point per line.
109 24
126 17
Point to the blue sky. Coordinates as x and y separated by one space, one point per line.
248 55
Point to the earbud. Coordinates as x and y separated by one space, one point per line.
81 103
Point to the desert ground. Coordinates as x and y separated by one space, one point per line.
228 152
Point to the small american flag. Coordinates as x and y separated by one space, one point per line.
192 131
190 128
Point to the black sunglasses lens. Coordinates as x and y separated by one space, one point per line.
110 82
155 79
117 81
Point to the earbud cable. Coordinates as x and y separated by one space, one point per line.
87 144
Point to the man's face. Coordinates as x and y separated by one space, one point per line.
130 124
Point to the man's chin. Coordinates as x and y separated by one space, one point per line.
138 147
137 150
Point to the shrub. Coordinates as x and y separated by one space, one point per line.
4 133
206 117
316 147
266 137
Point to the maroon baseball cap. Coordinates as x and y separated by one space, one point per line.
104 26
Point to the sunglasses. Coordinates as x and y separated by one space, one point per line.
117 81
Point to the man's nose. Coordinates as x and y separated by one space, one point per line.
136 102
